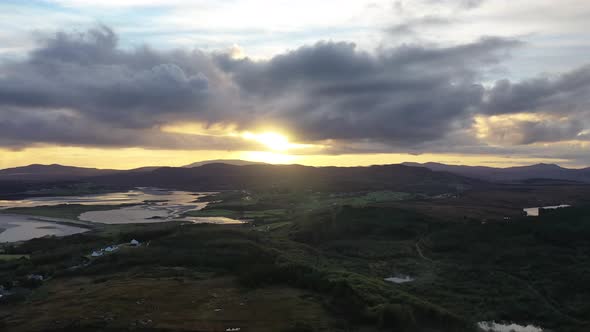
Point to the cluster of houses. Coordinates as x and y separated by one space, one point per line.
36 277
113 248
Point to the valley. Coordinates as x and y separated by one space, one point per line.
308 260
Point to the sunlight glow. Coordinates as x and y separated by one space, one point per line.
273 141
127 158
269 157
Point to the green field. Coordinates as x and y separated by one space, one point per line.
7 258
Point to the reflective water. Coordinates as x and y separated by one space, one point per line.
153 205
136 196
497 327
534 211
400 279
213 220
127 215
15 228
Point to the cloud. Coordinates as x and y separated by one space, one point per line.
404 95
84 89
558 108
412 26
87 73
81 89
527 128
21 128
566 93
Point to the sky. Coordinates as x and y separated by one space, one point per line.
124 84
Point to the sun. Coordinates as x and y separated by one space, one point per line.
273 141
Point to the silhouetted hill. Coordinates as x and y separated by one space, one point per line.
235 162
144 169
513 174
223 176
54 172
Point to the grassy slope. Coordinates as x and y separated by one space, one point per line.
182 302
7 258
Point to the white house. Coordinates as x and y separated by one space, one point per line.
37 277
134 243
111 248
96 254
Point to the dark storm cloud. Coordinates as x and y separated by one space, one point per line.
548 131
83 89
519 132
566 94
28 127
562 104
404 95
87 73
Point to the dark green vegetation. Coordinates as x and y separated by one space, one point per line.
294 177
314 261
24 189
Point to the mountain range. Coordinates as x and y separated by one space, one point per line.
218 174
529 173
54 172
235 162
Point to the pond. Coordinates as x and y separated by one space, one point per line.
399 279
534 211
497 327
136 196
14 228
153 205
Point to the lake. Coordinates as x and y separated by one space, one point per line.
399 279
152 205
15 228
137 196
497 327
534 211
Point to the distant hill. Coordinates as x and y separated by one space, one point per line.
144 169
235 162
228 173
220 176
513 174
54 172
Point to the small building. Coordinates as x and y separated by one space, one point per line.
36 277
111 248
96 254
134 243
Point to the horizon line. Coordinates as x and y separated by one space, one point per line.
221 161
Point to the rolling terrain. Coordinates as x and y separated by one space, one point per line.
54 172
307 261
513 174
317 253
224 176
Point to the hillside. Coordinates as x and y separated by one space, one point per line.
224 176
54 172
235 162
512 174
